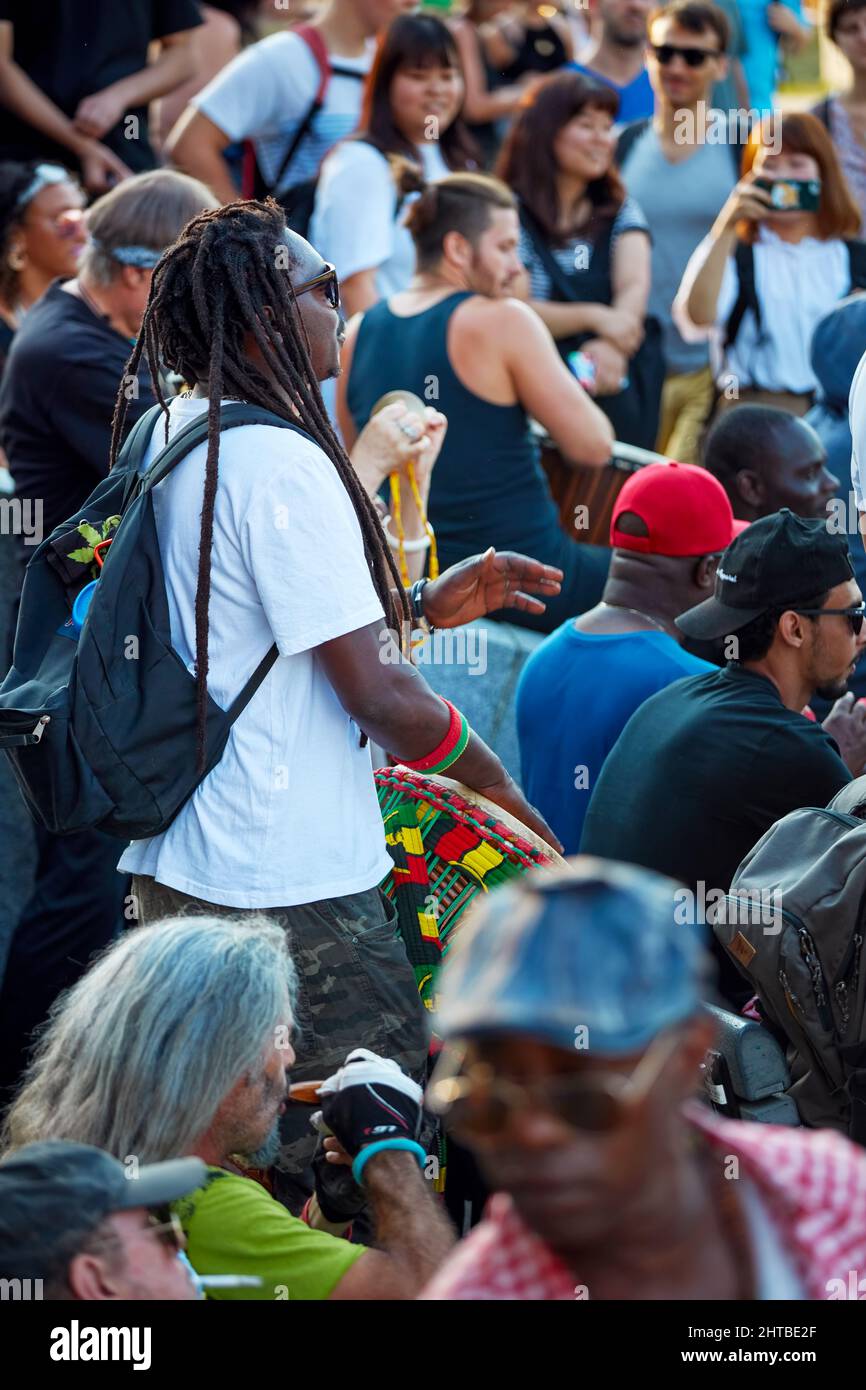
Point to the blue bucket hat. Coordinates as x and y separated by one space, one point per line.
593 946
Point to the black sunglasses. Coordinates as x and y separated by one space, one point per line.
855 616
692 57
327 278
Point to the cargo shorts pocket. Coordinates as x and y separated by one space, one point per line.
356 986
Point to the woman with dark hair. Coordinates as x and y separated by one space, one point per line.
42 236
844 113
410 134
585 246
779 254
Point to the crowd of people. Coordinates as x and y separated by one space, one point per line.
287 311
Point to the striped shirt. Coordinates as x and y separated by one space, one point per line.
576 253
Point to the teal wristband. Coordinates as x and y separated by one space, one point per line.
381 1144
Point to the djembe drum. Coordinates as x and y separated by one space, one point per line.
577 485
448 844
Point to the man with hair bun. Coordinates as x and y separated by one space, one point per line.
458 339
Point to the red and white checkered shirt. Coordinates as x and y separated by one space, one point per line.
812 1184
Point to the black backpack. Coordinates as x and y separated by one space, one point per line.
794 923
100 728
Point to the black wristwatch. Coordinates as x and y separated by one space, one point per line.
416 601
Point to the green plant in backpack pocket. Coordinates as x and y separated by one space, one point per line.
84 555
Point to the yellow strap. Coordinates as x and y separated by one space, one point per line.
397 515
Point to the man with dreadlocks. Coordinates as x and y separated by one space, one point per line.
289 549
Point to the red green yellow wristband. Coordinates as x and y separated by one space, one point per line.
456 752
443 755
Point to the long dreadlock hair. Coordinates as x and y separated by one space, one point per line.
208 291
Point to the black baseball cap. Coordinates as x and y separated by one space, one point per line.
777 562
53 1194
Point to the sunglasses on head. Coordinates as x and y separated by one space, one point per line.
329 282
855 616
692 57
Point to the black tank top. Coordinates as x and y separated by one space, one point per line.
488 486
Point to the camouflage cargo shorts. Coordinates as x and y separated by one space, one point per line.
356 987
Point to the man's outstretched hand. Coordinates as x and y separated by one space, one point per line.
484 583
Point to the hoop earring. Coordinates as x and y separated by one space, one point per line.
16 260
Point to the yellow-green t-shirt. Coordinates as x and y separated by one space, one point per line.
233 1226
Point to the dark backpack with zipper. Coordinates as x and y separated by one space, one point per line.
794 923
100 727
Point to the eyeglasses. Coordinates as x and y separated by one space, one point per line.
692 57
327 278
855 616
168 1232
477 1103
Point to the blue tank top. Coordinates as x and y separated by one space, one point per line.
488 485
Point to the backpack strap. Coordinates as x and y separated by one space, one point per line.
240 702
628 138
317 46
557 276
747 296
231 416
135 445
857 264
195 433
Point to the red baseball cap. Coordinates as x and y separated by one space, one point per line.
685 509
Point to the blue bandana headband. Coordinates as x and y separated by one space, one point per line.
43 176
142 256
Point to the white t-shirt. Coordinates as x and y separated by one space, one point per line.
795 283
355 224
289 814
857 419
264 94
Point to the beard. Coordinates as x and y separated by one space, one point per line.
834 690
627 39
266 1155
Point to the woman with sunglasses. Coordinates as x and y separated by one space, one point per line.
779 254
42 236
585 248
410 134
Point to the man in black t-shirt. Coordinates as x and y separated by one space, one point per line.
56 404
706 766
76 81
68 358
